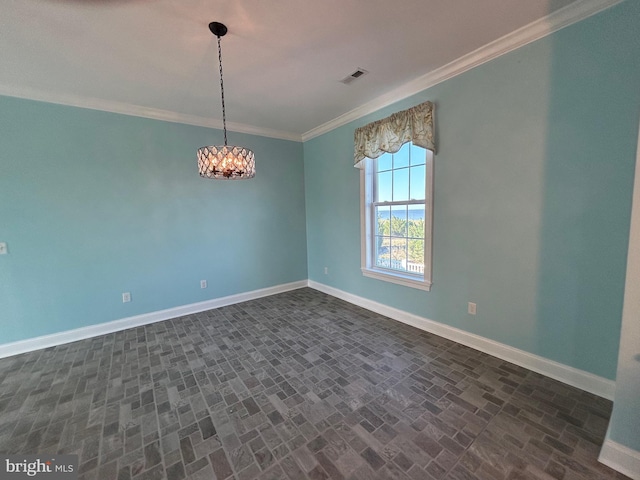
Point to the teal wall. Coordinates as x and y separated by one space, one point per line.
533 177
93 204
533 186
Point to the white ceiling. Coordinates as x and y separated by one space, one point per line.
283 60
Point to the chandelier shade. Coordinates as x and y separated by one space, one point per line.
225 162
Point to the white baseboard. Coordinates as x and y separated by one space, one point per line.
589 382
46 341
620 458
569 375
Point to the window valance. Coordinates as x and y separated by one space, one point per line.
389 134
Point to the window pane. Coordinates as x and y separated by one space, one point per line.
401 157
382 251
416 225
416 256
383 190
416 212
383 220
399 253
418 155
399 220
401 184
383 162
417 187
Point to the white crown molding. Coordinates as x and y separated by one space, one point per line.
529 33
79 101
553 22
622 459
571 376
46 341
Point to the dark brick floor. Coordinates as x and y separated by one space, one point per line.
295 386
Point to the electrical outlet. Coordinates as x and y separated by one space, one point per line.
472 308
126 297
326 270
3 248
203 284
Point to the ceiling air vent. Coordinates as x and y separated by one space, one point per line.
355 75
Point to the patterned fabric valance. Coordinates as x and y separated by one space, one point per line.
389 134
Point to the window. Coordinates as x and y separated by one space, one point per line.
395 158
397 194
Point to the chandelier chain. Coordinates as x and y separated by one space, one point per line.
224 114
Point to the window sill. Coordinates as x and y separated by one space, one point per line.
398 278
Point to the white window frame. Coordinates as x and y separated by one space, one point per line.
368 224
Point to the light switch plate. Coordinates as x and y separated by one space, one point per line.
3 248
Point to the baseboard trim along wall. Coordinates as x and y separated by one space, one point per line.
46 341
572 376
620 458
589 382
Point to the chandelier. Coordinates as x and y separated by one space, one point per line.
226 162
